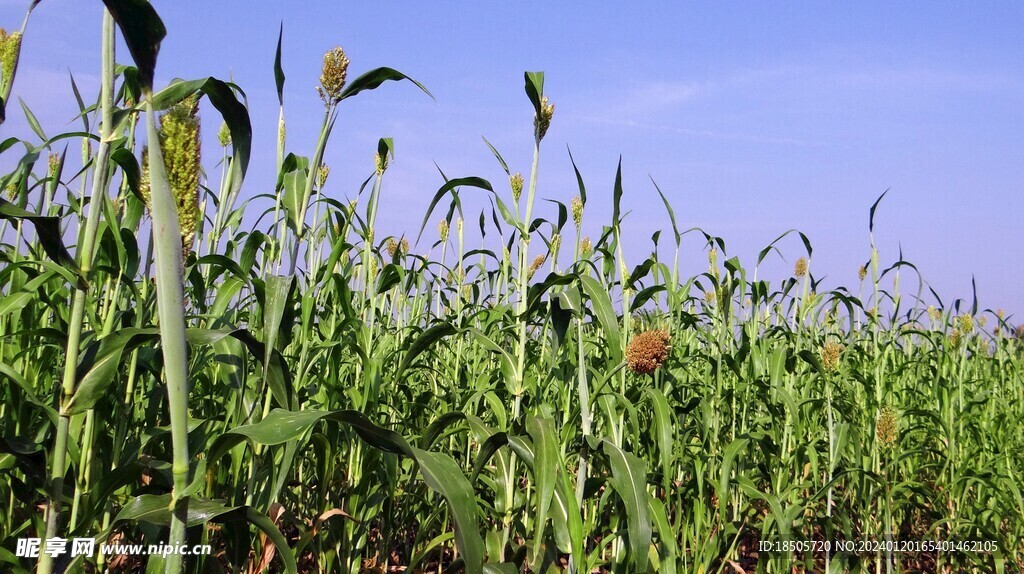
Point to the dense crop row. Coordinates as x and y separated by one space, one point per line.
312 395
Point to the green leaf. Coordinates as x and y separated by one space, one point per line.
156 509
443 476
545 467
535 89
235 114
374 78
629 479
49 233
602 304
423 342
143 31
447 187
278 69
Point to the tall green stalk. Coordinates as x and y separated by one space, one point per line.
76 323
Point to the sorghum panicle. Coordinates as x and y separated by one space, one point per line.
577 211
888 427
180 142
647 351
586 247
333 76
800 269
542 120
10 49
442 230
516 182
830 355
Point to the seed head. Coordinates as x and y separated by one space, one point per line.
955 338
1019 333
556 244
392 246
321 175
506 257
180 142
542 120
52 164
538 261
12 191
224 135
800 269
282 132
830 355
381 161
1000 314
458 226
586 248
442 230
888 427
577 211
713 262
862 272
711 296
981 321
647 351
516 182
332 76
934 313
10 49
966 323
372 271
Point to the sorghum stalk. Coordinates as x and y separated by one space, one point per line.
77 318
169 295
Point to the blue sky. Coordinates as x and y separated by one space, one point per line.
754 119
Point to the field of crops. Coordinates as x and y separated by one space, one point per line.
307 393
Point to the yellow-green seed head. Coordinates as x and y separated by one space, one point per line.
711 297
372 271
224 135
800 269
144 185
506 257
556 244
516 182
321 175
282 132
458 226
538 261
542 120
381 161
888 427
10 49
11 191
392 247
982 321
831 352
180 142
52 165
955 338
934 313
333 76
577 211
586 247
442 230
966 322
862 272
